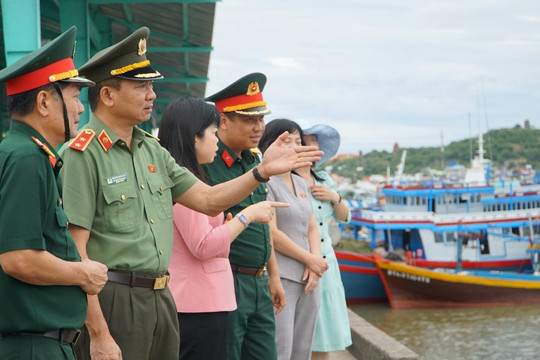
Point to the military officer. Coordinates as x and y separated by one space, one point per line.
43 281
119 186
251 327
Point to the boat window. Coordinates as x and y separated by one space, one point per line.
515 231
439 237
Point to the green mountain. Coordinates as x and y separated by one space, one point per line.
507 148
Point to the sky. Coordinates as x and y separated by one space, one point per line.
419 73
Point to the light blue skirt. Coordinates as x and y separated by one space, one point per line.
332 331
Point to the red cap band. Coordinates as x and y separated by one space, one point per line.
40 77
240 102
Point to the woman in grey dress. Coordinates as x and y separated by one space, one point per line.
297 243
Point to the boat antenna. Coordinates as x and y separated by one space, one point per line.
486 116
470 140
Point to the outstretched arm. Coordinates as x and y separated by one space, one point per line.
278 158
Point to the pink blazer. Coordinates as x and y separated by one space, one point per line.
201 276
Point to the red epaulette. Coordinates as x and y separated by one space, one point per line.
82 139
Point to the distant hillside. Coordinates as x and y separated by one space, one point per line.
510 148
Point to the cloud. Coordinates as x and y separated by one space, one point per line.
385 71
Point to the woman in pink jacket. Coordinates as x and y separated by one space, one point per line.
201 277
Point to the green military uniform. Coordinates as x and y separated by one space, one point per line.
32 217
124 197
251 327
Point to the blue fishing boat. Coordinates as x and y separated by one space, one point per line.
425 219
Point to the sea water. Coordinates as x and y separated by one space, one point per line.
492 333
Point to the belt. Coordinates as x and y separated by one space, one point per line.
66 335
129 278
257 272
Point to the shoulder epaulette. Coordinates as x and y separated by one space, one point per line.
44 147
82 139
150 135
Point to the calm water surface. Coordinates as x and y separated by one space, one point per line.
438 334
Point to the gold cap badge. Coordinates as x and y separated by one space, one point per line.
142 47
253 89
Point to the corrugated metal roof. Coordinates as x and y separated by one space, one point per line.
179 45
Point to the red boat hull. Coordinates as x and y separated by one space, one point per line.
413 287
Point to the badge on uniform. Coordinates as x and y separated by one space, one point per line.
105 140
45 148
116 179
82 140
152 168
227 158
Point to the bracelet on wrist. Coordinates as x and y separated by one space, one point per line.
336 202
258 177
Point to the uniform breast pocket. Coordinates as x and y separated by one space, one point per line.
119 209
260 193
61 217
160 188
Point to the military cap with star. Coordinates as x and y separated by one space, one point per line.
50 63
125 59
243 97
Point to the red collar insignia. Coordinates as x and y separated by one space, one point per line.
105 140
227 158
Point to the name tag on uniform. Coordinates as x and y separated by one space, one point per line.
116 179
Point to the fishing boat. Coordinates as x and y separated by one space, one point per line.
425 219
410 286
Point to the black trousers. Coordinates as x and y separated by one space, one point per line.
203 335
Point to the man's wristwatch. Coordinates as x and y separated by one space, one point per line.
257 175
243 219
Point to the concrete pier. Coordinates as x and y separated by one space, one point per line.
370 343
